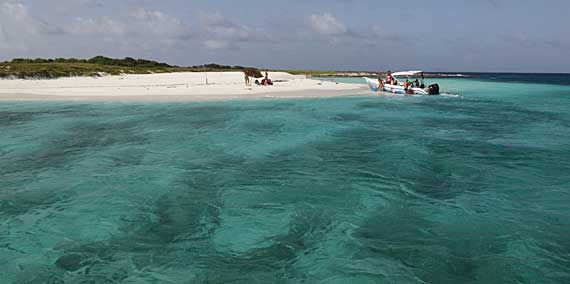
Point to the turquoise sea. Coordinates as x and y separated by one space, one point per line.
473 188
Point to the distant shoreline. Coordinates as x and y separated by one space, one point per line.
382 74
100 66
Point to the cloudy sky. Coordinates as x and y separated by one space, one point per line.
435 35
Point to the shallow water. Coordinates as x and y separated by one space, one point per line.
468 189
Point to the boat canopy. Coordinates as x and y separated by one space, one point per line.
407 73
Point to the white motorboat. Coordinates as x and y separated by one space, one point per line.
415 87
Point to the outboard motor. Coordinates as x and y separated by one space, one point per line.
433 89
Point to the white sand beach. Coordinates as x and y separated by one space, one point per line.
189 86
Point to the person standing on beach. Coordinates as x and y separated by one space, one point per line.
247 82
266 79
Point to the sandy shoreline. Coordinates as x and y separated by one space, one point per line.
171 87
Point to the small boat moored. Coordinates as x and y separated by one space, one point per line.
412 87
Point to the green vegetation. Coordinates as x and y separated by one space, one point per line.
100 60
40 68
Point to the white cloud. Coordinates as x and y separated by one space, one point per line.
19 30
217 31
94 26
14 16
139 24
326 24
3 39
216 44
159 23
216 27
142 14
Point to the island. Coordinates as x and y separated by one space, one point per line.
103 78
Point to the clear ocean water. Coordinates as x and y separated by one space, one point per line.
473 188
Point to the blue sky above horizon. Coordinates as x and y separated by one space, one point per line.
439 35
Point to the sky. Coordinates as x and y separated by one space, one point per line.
434 35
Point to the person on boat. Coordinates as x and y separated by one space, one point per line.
408 88
391 79
380 85
417 83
